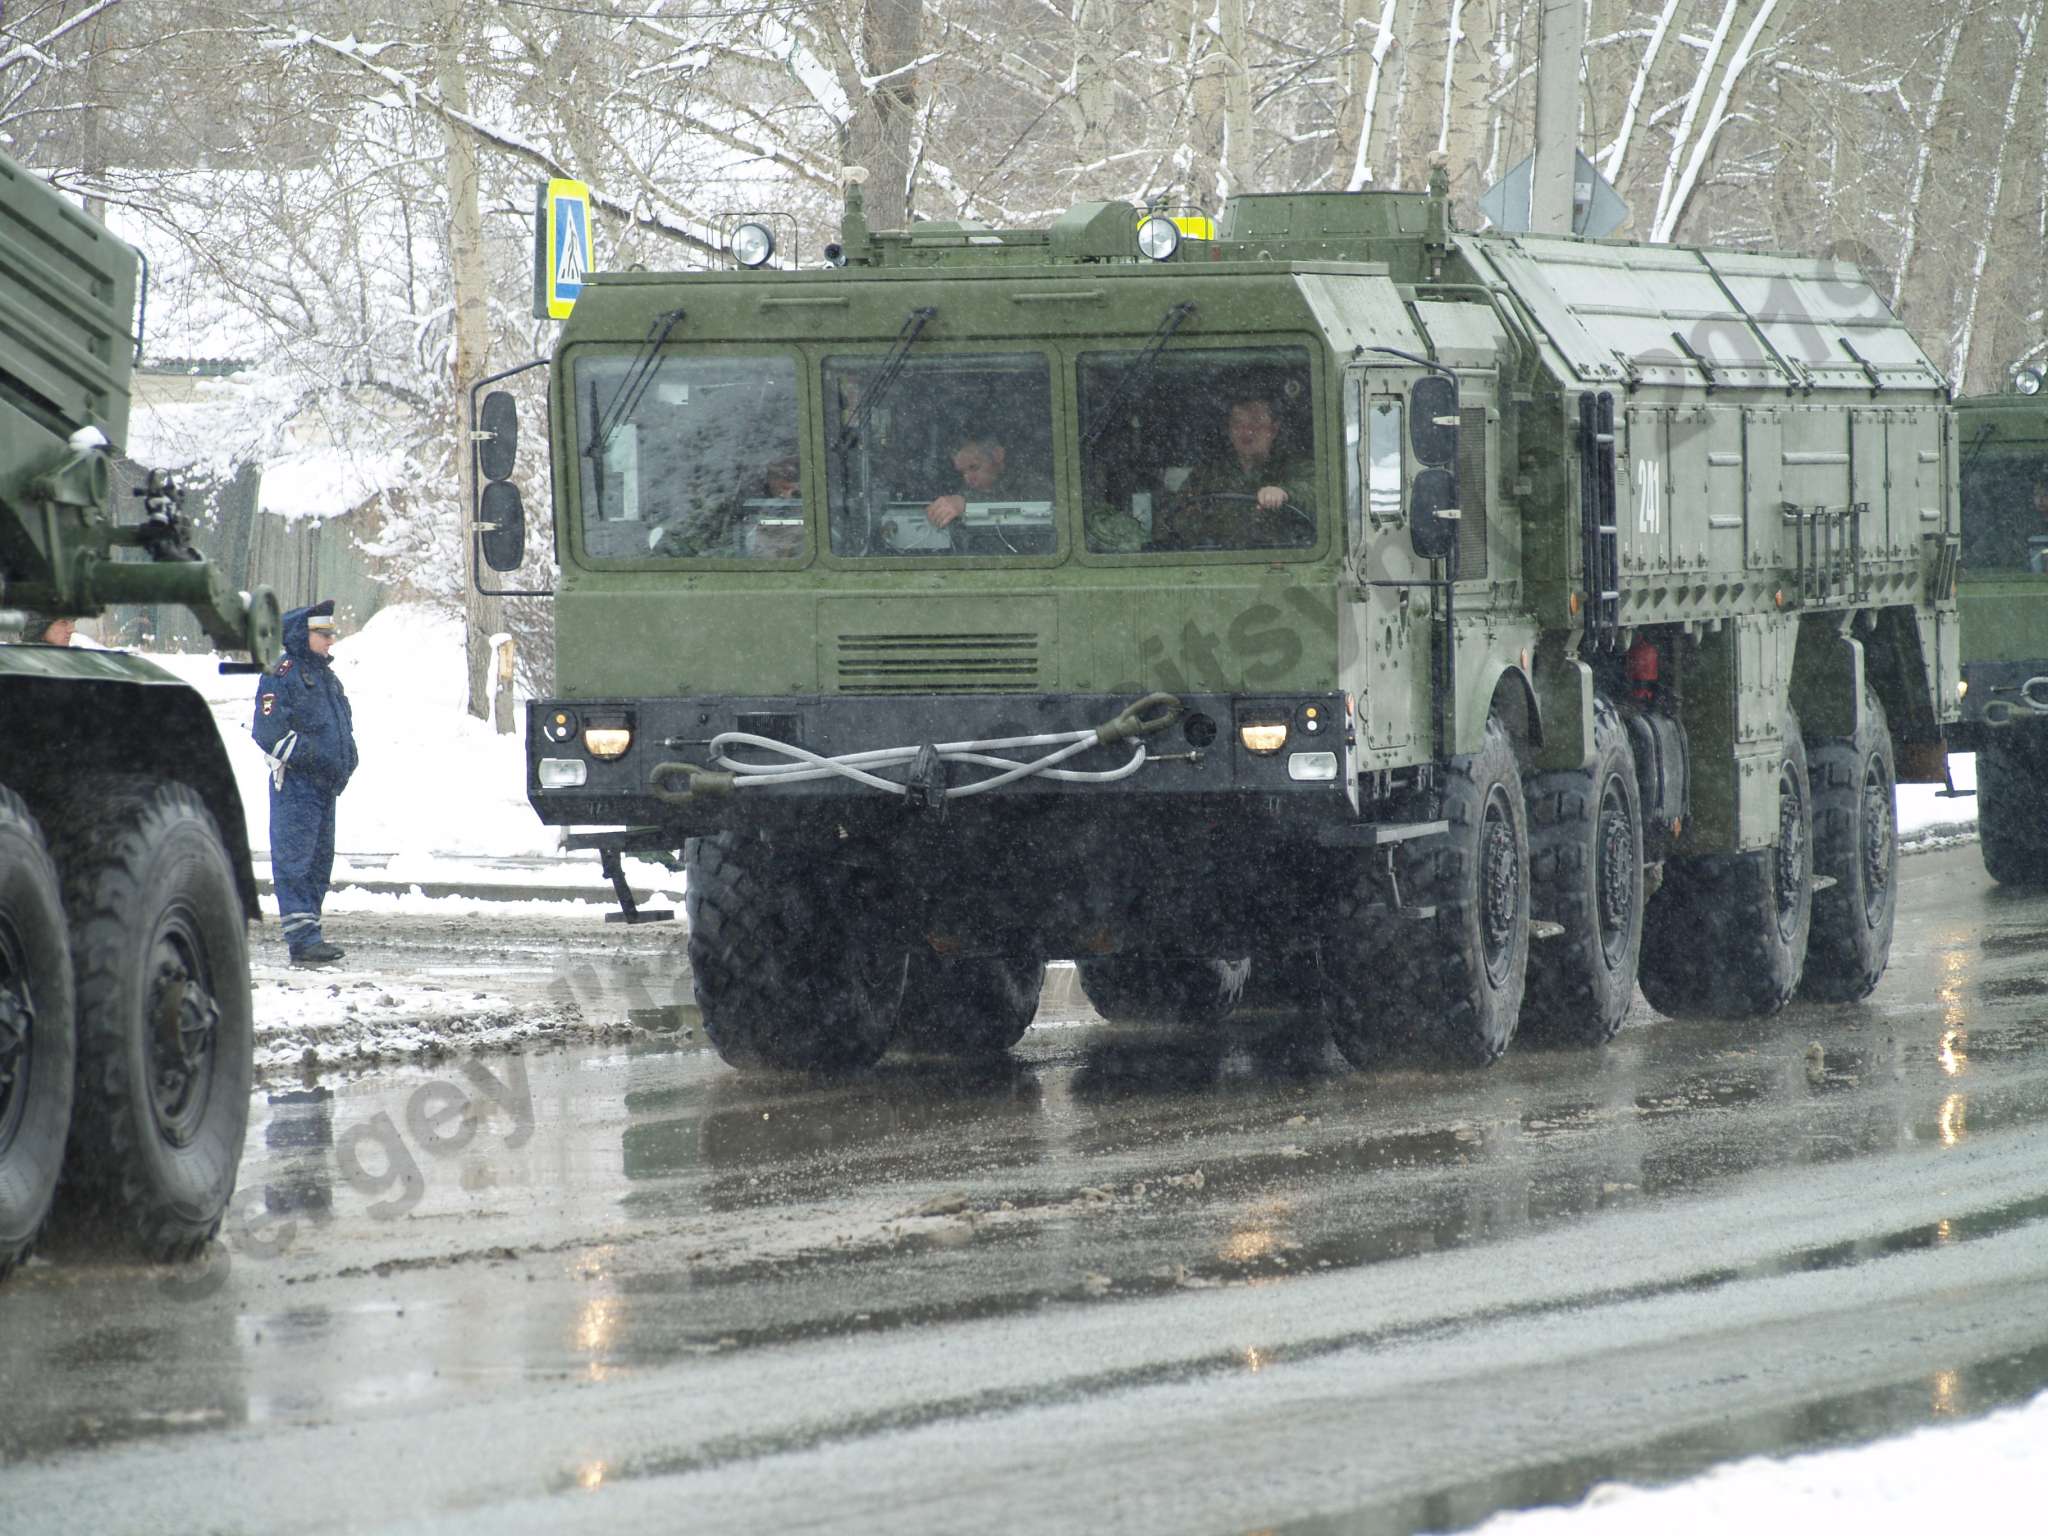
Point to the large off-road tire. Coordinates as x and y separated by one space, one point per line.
1449 986
969 1006
2012 805
1586 874
36 1042
1725 935
1143 989
1856 840
160 963
782 974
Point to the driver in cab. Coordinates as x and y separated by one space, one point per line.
1250 498
981 463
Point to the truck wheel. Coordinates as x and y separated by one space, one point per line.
2012 808
969 1007
1855 839
779 967
1586 873
35 1032
1725 935
165 1033
1137 989
1451 985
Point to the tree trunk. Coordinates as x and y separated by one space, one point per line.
2008 141
483 617
885 115
1936 95
1237 97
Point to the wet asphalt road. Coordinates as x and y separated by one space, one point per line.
1111 1284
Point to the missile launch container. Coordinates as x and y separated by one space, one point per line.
1423 633
125 1041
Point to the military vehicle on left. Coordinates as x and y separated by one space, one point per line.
125 882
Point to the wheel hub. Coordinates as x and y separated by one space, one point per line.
1792 882
184 1019
17 1025
1617 875
1877 839
1500 887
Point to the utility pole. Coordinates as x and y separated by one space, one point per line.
1562 41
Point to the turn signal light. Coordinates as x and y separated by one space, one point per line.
607 741
1264 738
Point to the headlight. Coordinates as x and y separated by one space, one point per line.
562 772
607 741
1263 737
752 245
1962 687
1312 766
2027 381
1159 237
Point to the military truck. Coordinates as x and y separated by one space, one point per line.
2003 601
125 884
1427 632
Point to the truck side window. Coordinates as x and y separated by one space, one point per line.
2005 512
1383 477
699 463
1198 449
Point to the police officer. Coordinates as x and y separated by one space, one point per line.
304 725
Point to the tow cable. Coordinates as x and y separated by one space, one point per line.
724 775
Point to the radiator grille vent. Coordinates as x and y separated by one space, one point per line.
1002 662
1472 492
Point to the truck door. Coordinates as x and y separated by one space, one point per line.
1388 620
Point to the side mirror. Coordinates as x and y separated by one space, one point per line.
502 526
498 449
1432 514
1433 420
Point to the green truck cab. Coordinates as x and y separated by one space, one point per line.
1425 631
2003 599
126 1047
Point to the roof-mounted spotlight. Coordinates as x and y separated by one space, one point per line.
1159 238
752 245
2027 381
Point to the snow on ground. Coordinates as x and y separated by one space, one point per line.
433 782
1980 1476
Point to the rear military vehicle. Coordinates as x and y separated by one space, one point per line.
125 884
1432 633
2003 599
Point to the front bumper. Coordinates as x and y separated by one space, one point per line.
1198 756
2003 693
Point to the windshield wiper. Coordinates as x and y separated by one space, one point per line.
885 376
626 399
1140 366
1976 444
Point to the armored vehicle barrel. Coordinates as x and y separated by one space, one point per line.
1323 590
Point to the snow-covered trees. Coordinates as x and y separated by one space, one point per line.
297 167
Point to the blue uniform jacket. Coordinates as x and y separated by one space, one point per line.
301 693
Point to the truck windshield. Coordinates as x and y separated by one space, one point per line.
954 459
1213 449
2005 512
703 466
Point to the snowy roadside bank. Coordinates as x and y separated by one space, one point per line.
1968 1476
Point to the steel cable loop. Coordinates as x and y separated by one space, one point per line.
806 766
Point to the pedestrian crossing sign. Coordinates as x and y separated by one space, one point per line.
562 253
